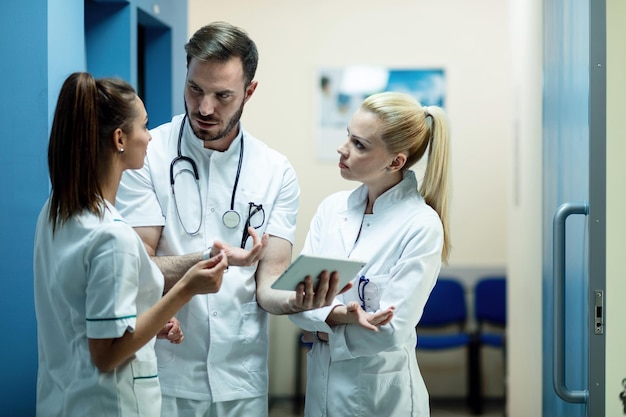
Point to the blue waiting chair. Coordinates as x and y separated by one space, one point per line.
443 326
490 315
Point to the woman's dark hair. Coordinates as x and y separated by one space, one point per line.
81 144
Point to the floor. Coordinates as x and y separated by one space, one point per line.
439 408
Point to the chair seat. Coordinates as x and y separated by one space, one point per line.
443 325
427 342
491 339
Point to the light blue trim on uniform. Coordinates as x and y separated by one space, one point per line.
146 377
113 318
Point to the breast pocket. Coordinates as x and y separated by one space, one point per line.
254 213
370 290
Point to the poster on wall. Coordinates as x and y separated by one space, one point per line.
341 91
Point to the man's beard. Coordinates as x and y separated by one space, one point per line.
206 136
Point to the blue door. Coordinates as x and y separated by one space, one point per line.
573 208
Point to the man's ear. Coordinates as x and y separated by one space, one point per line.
250 90
397 163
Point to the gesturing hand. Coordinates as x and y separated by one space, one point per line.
242 257
172 331
369 321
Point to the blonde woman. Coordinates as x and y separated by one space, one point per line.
363 360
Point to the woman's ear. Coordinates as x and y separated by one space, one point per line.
397 163
119 140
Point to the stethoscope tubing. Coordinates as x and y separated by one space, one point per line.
231 218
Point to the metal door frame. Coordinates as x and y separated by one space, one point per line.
597 206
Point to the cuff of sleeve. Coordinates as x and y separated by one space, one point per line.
314 320
207 253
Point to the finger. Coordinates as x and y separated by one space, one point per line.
222 260
256 244
345 288
352 306
258 247
368 325
309 293
322 288
254 235
382 318
332 288
218 246
300 290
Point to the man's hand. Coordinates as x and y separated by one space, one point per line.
242 257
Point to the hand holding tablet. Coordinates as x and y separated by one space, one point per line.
311 265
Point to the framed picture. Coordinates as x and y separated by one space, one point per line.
341 91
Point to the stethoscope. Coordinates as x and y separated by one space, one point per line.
230 218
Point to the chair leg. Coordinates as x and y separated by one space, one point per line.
297 401
474 382
297 397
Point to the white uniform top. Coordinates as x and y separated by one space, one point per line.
92 279
360 372
224 356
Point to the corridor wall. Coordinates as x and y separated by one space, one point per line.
43 42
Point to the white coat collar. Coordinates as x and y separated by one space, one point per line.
389 198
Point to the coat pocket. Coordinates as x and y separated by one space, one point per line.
387 394
146 388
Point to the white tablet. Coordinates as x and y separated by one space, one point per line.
311 265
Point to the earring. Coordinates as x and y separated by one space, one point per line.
122 151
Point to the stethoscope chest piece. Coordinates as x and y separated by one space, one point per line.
231 219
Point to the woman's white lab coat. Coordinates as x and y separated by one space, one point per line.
93 277
361 372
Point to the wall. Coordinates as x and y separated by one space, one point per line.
616 199
43 42
33 32
470 40
525 310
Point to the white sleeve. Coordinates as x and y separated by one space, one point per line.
282 221
137 200
112 284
